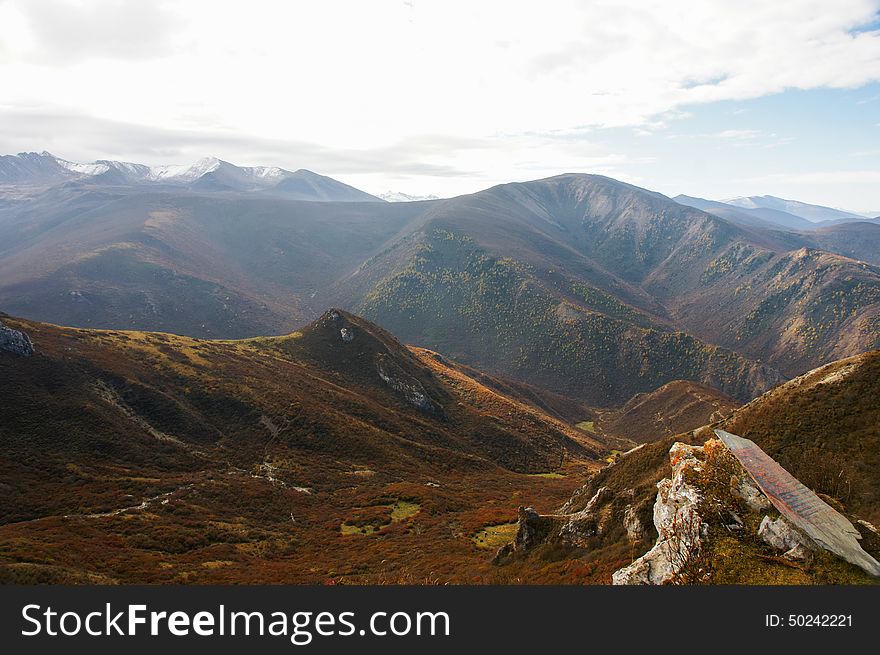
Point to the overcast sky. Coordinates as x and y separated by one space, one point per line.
711 98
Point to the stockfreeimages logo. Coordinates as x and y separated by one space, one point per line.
299 627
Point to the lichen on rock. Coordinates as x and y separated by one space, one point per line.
635 531
745 488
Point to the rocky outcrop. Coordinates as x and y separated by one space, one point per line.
781 535
677 519
710 489
15 341
578 528
533 530
682 528
635 531
706 519
410 388
817 517
608 516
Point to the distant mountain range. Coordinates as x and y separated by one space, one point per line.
577 284
209 174
814 213
398 196
770 212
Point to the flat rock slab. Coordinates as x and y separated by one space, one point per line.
801 507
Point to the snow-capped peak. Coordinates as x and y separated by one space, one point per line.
267 172
399 196
205 175
88 170
185 172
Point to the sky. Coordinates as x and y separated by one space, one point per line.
709 98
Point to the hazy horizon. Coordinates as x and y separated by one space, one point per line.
443 98
396 192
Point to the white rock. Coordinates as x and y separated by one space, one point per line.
799 552
582 525
780 534
744 487
678 524
634 528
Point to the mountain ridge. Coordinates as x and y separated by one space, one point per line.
775 213
206 174
613 277
808 211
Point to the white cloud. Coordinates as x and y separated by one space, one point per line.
366 76
739 134
62 32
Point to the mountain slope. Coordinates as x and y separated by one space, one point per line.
674 408
821 427
330 453
856 240
493 313
183 262
573 244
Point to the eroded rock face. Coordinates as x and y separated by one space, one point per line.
533 529
411 389
708 495
608 514
580 526
635 531
15 341
676 517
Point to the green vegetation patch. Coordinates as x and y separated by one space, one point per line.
495 536
404 509
349 528
613 456
588 426
397 511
